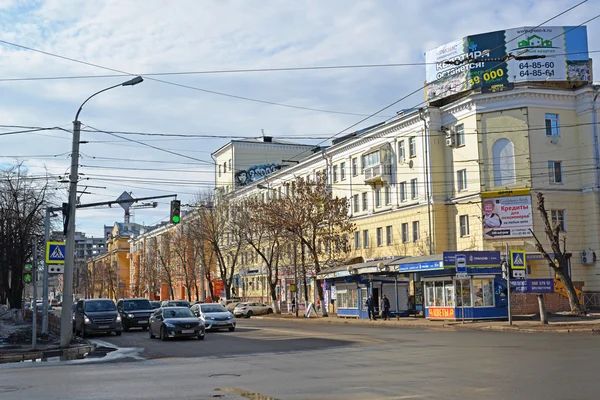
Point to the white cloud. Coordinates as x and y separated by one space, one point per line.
154 36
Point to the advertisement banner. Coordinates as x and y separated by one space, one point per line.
507 217
461 65
473 258
440 312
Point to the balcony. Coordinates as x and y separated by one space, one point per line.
378 173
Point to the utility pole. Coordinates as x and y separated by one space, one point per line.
34 302
508 283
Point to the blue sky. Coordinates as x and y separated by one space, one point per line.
153 36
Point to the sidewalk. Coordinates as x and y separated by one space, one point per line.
522 323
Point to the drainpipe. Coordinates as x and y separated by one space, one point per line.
596 141
427 189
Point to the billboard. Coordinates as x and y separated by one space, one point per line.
565 51
507 217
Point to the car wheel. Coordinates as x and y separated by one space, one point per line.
249 314
231 329
270 311
163 333
118 333
200 337
150 333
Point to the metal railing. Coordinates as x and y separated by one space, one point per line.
591 300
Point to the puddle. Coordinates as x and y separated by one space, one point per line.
245 393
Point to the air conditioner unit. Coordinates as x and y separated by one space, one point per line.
588 257
554 139
450 137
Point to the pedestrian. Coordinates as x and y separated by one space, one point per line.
293 304
318 304
386 308
371 307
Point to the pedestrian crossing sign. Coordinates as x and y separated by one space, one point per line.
518 260
55 252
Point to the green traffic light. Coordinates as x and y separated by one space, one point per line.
27 278
176 219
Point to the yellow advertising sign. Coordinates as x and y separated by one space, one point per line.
506 193
560 288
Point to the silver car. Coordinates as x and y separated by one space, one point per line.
249 309
214 316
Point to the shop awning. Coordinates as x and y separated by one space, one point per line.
419 263
357 269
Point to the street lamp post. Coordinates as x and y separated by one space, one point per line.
65 317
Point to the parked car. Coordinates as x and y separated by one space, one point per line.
214 316
231 306
175 303
40 307
169 322
249 309
135 313
155 305
54 302
28 305
97 316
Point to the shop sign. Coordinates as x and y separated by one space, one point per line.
424 266
440 312
507 217
540 285
473 258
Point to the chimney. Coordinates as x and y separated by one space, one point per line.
268 139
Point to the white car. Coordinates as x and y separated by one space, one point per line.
249 309
214 316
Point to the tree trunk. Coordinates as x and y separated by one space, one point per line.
273 287
574 303
543 315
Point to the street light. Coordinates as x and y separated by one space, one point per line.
65 317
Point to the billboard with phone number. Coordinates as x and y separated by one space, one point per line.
565 51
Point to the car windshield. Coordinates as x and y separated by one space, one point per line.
210 308
100 305
242 304
178 312
137 305
179 304
155 304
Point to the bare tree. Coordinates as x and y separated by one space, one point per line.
150 266
164 252
313 216
560 263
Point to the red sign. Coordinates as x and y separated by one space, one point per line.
441 312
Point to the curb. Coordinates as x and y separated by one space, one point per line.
70 353
444 326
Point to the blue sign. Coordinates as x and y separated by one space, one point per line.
540 285
55 252
537 256
461 263
424 266
518 286
473 258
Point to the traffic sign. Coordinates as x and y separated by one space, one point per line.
517 259
55 252
462 276
461 264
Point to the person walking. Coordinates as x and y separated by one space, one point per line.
293 304
386 308
371 307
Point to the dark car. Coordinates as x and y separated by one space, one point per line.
170 322
135 313
175 303
97 316
155 305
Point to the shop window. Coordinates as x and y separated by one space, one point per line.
483 292
363 298
463 294
439 294
449 293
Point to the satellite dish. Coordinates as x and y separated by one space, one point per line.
411 164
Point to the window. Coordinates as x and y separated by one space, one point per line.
379 237
401 152
224 167
356 203
388 195
552 125
377 198
219 169
464 225
412 146
555 172
459 132
461 180
343 171
405 232
416 233
365 201
335 173
347 298
229 165
366 239
439 294
356 240
388 235
403 191
368 160
324 175
558 219
503 152
414 189
483 293
354 166
463 293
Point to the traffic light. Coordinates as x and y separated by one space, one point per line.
175 211
27 273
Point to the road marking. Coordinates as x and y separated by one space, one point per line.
319 335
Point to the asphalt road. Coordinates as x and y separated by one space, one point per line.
295 360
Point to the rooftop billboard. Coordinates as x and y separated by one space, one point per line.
565 51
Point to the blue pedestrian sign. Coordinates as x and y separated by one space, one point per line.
55 252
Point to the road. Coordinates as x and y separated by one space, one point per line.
296 360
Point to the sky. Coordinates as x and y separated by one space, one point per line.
154 36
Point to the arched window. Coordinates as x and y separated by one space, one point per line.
503 152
